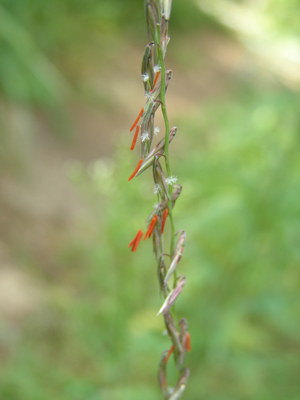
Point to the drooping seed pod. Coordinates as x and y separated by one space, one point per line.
154 95
177 189
181 384
162 374
160 180
151 106
165 38
174 262
177 392
163 205
147 69
156 243
156 61
152 19
158 149
161 272
179 249
158 187
181 241
150 130
167 9
170 325
173 295
184 338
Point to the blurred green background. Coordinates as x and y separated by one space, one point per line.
77 308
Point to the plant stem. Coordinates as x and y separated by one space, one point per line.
167 160
157 17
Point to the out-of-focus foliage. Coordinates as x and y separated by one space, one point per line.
96 335
47 46
284 14
243 219
50 50
100 338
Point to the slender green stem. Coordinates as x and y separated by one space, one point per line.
167 161
164 112
167 133
157 16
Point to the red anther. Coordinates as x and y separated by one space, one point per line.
165 214
134 243
188 342
155 80
151 227
137 241
137 120
169 353
136 170
134 138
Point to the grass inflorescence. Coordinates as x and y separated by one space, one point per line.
155 80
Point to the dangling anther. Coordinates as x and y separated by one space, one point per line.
155 79
169 353
134 243
188 342
136 170
151 227
134 138
137 120
165 214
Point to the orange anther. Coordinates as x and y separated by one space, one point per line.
151 227
134 243
188 342
169 353
136 170
165 214
137 120
135 137
137 241
156 77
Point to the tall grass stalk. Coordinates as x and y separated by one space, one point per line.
156 80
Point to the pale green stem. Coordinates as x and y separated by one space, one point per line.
167 160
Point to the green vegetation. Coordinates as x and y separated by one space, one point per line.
95 335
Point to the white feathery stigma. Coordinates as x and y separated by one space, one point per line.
149 96
145 77
145 136
171 179
156 130
157 188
